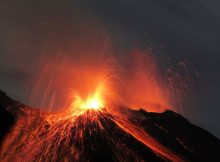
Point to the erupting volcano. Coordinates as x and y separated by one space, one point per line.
107 81
89 110
95 134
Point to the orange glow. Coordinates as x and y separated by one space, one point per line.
93 83
94 101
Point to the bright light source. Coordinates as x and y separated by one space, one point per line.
92 101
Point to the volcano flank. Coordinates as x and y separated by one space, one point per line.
29 134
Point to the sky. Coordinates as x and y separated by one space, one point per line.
178 30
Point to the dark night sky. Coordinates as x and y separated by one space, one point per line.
188 29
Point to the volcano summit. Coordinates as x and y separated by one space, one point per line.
29 134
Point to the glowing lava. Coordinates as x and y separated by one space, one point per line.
92 102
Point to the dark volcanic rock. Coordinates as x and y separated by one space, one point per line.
4 99
6 122
6 118
176 132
